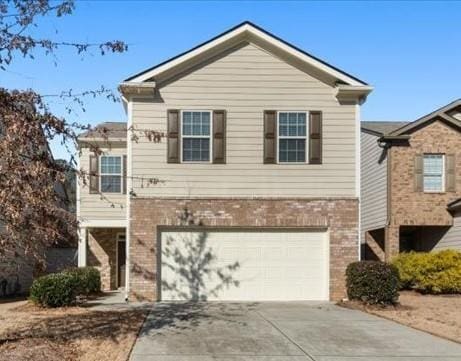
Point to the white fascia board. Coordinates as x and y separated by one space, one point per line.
189 55
352 93
249 31
104 223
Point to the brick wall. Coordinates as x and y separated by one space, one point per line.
102 254
147 215
407 206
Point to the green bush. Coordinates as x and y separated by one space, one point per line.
55 290
434 272
89 279
372 282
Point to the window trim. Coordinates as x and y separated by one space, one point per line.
443 189
111 174
182 136
306 137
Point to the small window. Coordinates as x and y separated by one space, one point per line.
196 136
292 137
433 167
111 174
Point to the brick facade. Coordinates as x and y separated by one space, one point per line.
149 215
102 253
407 206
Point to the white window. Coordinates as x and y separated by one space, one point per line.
111 174
292 138
196 136
434 169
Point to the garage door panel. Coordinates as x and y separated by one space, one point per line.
244 266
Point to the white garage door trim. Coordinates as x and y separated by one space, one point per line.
319 248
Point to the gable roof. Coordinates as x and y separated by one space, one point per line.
382 128
442 113
248 31
108 129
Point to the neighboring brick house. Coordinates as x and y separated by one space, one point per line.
411 184
235 178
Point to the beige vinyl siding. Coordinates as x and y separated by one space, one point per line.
245 83
451 239
92 207
373 184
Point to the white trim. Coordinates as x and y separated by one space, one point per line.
443 190
182 136
82 246
306 137
129 188
247 32
358 181
111 174
103 223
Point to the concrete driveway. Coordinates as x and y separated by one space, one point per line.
281 332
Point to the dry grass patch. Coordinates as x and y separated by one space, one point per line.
75 333
439 315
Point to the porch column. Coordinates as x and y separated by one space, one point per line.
82 246
391 242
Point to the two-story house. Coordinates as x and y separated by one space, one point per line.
411 184
237 177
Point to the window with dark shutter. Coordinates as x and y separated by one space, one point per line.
94 174
173 136
124 174
219 136
419 176
450 173
270 136
315 137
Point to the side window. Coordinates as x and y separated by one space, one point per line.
292 137
111 174
433 172
196 136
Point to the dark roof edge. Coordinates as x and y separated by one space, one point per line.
260 29
454 205
438 112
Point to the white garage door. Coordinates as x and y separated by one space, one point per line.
244 266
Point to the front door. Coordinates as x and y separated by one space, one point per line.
121 262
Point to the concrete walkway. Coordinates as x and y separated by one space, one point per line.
281 332
114 300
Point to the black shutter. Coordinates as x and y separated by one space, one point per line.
94 174
270 137
173 136
419 176
219 136
124 174
315 137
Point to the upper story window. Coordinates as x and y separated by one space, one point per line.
292 137
433 172
111 174
196 136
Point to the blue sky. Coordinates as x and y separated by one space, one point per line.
408 51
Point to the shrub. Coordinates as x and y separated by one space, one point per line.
434 272
54 290
372 282
89 279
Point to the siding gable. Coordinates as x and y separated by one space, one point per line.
244 83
